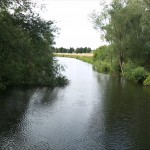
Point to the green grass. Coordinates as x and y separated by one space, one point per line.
83 58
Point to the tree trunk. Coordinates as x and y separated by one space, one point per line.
121 65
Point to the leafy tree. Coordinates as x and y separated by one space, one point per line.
125 24
26 47
71 50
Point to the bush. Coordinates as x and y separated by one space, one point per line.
132 71
139 74
128 69
115 67
61 81
102 66
147 81
100 53
105 66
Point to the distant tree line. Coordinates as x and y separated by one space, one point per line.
72 50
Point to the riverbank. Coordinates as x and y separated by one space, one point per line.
75 54
138 74
86 57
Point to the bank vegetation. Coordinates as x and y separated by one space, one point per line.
26 41
125 25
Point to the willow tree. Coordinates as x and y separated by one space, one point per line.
121 23
145 23
26 46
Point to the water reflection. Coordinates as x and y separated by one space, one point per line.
15 106
95 111
126 114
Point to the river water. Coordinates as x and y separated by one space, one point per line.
94 112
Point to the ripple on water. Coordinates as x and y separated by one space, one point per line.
94 112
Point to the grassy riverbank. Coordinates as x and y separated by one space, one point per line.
131 71
84 57
87 58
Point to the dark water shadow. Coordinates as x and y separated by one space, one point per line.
122 115
14 106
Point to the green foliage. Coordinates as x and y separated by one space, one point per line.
147 81
85 59
103 59
115 68
102 66
138 74
26 49
128 69
126 26
17 6
100 53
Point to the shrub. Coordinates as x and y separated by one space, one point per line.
147 81
102 66
128 69
115 67
100 53
105 66
61 81
139 74
132 71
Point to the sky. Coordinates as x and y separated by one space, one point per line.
72 17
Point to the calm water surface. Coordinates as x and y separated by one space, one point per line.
94 112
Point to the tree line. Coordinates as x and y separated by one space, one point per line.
26 41
72 50
125 25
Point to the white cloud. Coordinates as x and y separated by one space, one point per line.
72 17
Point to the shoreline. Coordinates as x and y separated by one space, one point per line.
89 59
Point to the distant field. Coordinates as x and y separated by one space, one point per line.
75 54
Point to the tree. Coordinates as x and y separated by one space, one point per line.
71 50
145 23
121 23
26 46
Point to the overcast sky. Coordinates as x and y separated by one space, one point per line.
72 17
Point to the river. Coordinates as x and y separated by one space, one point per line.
94 112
